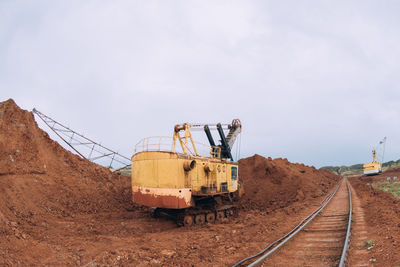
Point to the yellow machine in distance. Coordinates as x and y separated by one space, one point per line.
182 183
373 167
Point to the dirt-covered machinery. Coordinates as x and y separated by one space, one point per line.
178 181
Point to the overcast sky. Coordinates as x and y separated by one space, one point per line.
316 82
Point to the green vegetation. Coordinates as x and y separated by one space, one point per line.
126 171
391 164
369 244
357 169
390 187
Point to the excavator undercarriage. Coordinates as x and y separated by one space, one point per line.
205 209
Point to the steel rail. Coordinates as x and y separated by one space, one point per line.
347 240
284 239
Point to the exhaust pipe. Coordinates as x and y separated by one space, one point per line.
189 165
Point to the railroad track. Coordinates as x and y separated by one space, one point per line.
320 239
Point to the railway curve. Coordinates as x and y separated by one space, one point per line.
320 239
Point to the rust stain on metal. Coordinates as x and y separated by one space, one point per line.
171 199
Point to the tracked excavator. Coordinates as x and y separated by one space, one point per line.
375 167
181 183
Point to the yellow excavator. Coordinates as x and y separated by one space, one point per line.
375 167
177 181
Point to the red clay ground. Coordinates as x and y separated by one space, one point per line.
381 213
59 209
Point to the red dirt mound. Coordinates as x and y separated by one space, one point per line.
73 183
39 180
272 184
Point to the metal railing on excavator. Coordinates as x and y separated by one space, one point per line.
165 144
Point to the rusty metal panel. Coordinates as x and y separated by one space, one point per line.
162 197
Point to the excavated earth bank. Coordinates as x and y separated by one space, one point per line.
274 184
59 209
382 218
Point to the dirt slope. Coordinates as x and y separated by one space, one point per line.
276 183
39 180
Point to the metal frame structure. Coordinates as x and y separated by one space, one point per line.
77 142
184 141
383 142
224 150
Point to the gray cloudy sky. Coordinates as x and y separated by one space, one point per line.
313 81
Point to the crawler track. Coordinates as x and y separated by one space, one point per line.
321 239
